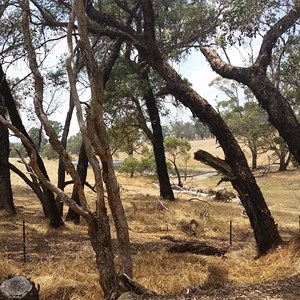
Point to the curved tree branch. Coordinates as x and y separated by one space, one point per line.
270 38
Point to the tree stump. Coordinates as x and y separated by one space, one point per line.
18 288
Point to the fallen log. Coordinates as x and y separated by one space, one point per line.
196 247
18 288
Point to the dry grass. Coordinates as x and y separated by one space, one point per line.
276 265
68 279
62 261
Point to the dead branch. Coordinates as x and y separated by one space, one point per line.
215 162
159 199
127 284
172 239
197 199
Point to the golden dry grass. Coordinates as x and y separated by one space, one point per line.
62 261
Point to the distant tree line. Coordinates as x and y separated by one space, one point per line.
194 130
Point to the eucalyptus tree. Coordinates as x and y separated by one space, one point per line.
236 168
177 149
12 53
136 91
247 121
272 20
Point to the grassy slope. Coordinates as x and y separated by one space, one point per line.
62 261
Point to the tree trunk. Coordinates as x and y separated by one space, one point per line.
281 115
177 174
61 168
54 216
264 227
99 140
99 233
284 158
6 196
118 213
157 140
82 173
253 150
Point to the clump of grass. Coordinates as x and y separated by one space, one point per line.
7 268
168 272
281 263
217 275
67 279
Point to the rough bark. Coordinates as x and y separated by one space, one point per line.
6 196
99 233
264 227
281 115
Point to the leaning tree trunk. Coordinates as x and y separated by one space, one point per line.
264 227
54 216
6 196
